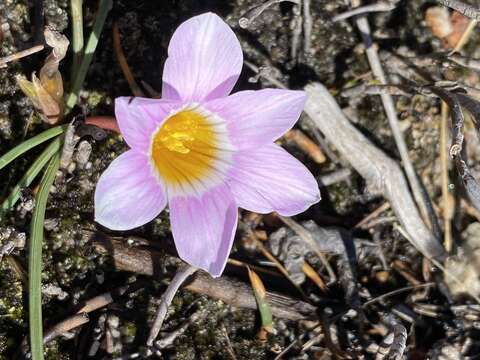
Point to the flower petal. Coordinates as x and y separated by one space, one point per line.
204 60
139 117
127 194
270 179
203 228
256 118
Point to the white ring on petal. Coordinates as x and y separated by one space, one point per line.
220 167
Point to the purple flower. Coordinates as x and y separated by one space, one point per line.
203 151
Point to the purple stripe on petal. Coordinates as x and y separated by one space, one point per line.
139 117
204 228
127 194
204 60
256 118
270 179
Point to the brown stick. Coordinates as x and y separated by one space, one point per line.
306 145
5 60
65 326
228 290
122 60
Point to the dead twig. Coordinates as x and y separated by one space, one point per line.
334 177
21 54
468 62
396 292
380 6
81 315
306 145
307 27
265 73
230 291
377 169
124 64
448 200
384 207
421 199
393 345
296 29
102 300
404 269
65 326
246 20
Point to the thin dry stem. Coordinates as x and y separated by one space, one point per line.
447 213
307 27
167 297
124 64
252 14
465 36
21 54
447 198
380 6
389 105
65 326
384 207
306 145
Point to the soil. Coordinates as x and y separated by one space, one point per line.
437 322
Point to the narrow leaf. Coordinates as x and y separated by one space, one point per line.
30 175
35 260
30 143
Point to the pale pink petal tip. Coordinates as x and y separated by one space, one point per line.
204 228
127 195
270 179
204 60
257 118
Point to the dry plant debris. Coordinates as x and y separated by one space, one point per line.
362 275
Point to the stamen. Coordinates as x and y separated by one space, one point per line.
187 149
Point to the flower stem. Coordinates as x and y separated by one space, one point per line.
167 297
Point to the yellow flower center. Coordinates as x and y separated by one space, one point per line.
185 148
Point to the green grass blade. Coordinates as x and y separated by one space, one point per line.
103 9
77 33
30 143
35 259
30 175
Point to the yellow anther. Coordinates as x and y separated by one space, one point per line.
184 148
182 136
178 146
175 141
